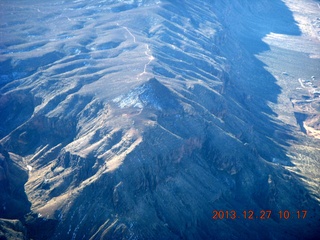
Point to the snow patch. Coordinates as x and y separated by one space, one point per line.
139 98
131 99
29 168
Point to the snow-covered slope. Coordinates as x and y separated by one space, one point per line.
136 119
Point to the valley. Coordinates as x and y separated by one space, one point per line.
137 119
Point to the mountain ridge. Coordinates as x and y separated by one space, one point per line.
137 119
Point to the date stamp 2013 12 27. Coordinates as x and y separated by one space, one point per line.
261 215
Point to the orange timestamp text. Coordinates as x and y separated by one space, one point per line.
262 214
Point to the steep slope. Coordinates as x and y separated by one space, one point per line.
14 202
137 119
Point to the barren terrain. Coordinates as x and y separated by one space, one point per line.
137 119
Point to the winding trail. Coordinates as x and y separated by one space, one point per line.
146 52
301 83
150 57
134 38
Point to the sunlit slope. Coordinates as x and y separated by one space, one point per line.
137 119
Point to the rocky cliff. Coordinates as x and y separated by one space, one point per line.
138 119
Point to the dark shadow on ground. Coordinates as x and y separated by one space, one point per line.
16 218
250 83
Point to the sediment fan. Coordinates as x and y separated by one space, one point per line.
155 120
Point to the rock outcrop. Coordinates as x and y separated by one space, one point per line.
138 119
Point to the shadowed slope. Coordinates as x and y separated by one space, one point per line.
144 116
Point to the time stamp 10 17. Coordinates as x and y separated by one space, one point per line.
262 214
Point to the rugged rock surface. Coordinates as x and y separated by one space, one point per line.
137 119
14 202
12 229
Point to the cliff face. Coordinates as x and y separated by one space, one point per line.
14 202
137 119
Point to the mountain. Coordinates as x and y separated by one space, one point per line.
154 119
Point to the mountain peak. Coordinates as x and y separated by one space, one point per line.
147 119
